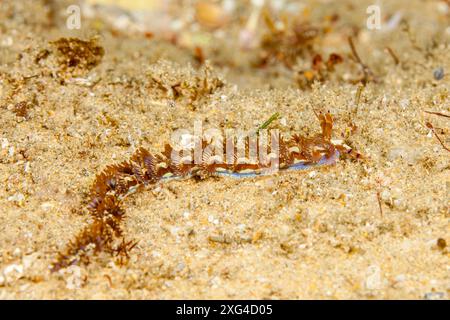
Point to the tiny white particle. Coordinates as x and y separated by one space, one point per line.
5 143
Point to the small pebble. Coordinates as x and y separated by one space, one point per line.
219 239
46 206
11 151
373 280
386 196
24 287
438 73
5 143
404 103
18 197
399 204
174 231
13 272
441 243
7 42
156 254
75 279
210 14
17 252
213 220
29 260
400 278
180 267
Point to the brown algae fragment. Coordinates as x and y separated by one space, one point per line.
75 57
